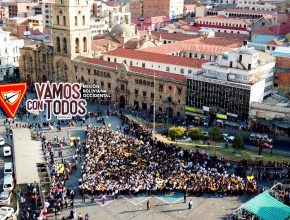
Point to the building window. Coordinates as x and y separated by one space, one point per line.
84 20
144 93
167 69
152 95
85 44
115 60
76 21
160 88
109 59
152 84
89 71
125 61
143 65
131 63
57 20
189 71
77 46
170 87
182 71
179 91
64 21
122 87
58 44
64 46
136 81
136 91
102 84
43 57
109 85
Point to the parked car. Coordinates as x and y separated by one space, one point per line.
8 183
228 138
6 212
2 141
8 168
261 140
7 151
5 198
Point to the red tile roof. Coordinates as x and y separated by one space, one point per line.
284 78
210 46
154 57
241 37
274 42
275 30
156 20
138 70
220 18
173 36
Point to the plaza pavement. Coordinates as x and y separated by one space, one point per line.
131 207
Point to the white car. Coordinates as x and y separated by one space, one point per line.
2 141
6 212
7 151
5 198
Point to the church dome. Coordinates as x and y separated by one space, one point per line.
119 29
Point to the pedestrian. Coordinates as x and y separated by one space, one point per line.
148 205
80 217
190 204
184 197
87 216
71 204
84 198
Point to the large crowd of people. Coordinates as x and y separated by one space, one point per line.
133 162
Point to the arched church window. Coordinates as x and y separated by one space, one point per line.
64 21
76 21
58 44
57 20
64 45
85 44
84 20
77 45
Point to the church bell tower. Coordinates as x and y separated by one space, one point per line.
71 35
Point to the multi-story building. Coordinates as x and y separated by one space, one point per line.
9 56
15 25
256 5
46 13
21 9
150 8
159 62
106 14
224 24
227 87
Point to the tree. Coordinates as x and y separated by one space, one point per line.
176 132
238 143
216 134
195 133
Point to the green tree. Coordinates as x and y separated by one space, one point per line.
238 143
215 134
195 133
176 132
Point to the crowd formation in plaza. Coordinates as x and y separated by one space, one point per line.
133 162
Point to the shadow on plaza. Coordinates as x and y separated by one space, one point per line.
175 210
132 211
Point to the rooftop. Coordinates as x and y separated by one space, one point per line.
173 36
248 11
138 70
275 30
211 46
219 18
154 57
274 42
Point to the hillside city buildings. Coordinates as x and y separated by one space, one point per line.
225 60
